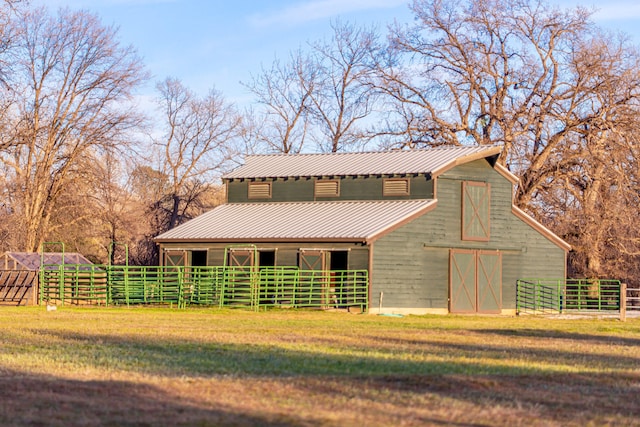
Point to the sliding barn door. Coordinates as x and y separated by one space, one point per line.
462 281
489 281
475 281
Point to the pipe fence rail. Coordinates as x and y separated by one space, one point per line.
543 296
223 286
633 299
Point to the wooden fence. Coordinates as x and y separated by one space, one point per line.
18 287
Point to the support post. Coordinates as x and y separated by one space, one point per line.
623 302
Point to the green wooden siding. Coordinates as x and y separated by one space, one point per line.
411 264
351 188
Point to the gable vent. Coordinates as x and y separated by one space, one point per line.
259 190
327 188
395 187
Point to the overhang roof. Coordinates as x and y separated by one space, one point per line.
355 221
431 161
32 260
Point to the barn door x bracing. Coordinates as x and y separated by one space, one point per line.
311 259
475 281
313 263
175 258
241 257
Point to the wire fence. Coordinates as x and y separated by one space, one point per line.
251 287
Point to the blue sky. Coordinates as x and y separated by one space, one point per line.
218 43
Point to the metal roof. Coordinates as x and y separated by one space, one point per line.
31 260
429 161
320 221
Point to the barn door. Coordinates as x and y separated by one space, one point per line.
462 278
175 258
489 266
241 257
313 281
476 204
311 259
475 281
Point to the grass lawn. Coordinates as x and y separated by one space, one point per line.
148 366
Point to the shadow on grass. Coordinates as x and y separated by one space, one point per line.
545 354
170 358
39 400
554 334
567 399
482 380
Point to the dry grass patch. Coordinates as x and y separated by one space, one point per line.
211 367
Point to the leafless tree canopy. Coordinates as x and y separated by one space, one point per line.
197 146
322 95
343 98
70 84
558 93
284 93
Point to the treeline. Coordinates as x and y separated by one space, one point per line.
81 163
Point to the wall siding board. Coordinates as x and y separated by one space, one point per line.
215 257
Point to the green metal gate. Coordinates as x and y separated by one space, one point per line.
220 286
551 296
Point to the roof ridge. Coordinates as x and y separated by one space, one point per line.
365 163
342 153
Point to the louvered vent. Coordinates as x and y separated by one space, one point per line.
327 188
259 190
395 187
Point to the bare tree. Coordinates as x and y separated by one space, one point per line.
343 97
197 146
117 211
71 81
593 193
483 72
557 93
147 186
10 11
284 92
323 95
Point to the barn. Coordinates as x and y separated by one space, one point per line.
436 229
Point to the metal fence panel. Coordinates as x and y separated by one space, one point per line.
542 296
230 286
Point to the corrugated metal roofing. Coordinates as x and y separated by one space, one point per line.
425 161
31 260
348 220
